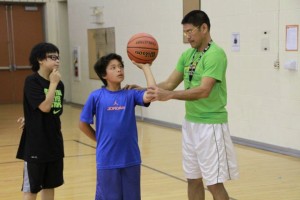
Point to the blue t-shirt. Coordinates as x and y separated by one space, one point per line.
116 130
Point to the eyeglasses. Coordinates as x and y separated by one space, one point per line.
190 32
53 57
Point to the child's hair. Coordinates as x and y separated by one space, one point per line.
101 65
39 52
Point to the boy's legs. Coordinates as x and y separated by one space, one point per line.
109 184
42 177
118 184
131 177
46 194
29 196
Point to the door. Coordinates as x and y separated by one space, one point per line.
21 27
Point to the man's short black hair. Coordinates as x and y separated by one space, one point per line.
197 18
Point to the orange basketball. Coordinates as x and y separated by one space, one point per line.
142 48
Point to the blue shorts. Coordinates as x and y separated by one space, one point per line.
119 184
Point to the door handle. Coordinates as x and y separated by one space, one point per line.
13 68
4 68
22 67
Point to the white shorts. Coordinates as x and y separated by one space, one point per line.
208 152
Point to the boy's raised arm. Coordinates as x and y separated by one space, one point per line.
149 78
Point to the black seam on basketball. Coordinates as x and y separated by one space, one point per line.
142 48
142 58
150 59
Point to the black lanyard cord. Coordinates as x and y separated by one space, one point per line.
195 62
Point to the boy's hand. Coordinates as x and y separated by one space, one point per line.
55 76
141 65
158 94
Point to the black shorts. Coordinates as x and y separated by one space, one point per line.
38 176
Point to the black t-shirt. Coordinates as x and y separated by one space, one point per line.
41 140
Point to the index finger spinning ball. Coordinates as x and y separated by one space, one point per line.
142 48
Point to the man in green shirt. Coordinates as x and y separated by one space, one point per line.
208 152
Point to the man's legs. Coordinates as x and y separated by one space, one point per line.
191 168
196 189
218 191
214 161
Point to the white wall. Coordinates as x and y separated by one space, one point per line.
159 18
263 102
57 32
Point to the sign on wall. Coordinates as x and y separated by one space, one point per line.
291 42
101 41
76 65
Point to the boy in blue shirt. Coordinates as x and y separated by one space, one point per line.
117 153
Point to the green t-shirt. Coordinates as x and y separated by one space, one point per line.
213 63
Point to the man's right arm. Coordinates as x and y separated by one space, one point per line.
172 81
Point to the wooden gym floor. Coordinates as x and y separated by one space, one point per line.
263 175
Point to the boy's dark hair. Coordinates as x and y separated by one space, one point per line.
101 65
39 52
197 18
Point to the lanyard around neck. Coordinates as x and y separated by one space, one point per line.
195 62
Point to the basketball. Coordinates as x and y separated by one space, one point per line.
142 48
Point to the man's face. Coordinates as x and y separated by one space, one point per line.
194 34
